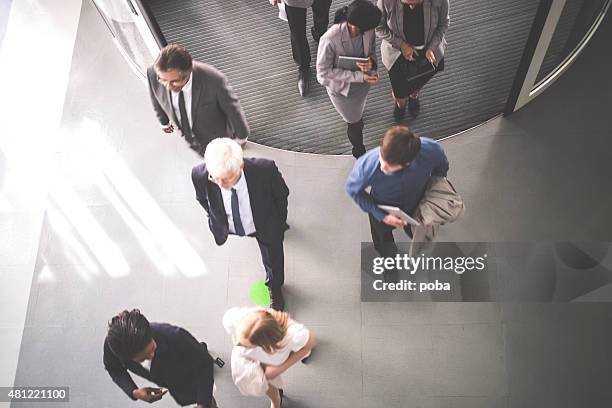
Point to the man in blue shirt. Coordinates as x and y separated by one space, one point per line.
397 173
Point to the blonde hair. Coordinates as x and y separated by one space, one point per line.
268 330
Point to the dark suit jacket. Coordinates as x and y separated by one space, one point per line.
267 193
215 108
181 364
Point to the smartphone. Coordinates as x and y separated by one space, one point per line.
161 391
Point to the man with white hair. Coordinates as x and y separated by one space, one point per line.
245 197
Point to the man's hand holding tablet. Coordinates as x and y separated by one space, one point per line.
395 214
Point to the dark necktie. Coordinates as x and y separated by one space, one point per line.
185 128
236 214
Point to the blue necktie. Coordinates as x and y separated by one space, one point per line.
236 214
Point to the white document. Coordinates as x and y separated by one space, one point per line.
399 214
282 14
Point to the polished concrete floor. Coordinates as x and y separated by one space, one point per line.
122 229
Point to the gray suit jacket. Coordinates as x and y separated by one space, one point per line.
215 108
336 42
391 28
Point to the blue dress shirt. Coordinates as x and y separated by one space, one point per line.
402 189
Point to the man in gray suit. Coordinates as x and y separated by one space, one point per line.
196 97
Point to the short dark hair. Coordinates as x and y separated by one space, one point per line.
129 333
400 146
361 13
173 57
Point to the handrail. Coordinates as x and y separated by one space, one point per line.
525 88
569 60
156 31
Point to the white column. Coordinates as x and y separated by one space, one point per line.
35 59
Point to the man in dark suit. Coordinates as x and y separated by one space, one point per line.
196 97
245 197
167 355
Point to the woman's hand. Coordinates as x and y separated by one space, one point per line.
372 79
407 51
431 57
365 66
273 2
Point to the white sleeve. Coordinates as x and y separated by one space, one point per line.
298 335
231 318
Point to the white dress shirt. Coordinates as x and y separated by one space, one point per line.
187 94
146 364
244 203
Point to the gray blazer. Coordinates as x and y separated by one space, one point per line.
336 42
215 108
391 28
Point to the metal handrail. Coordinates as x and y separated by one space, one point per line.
569 60
156 31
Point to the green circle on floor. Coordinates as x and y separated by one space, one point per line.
259 293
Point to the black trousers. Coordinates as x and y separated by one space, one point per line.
382 236
297 27
273 258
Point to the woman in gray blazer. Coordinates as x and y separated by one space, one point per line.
413 43
352 35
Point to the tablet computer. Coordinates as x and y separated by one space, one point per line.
424 67
399 214
350 62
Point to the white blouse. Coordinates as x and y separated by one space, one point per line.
295 339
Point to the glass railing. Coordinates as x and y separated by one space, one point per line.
561 31
134 33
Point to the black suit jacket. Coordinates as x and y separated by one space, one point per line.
181 364
267 193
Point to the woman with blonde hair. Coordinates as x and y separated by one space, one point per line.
266 343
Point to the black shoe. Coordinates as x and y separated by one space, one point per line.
398 113
315 36
281 393
198 148
358 151
414 106
303 81
277 302
305 359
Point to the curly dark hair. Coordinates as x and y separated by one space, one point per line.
129 333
